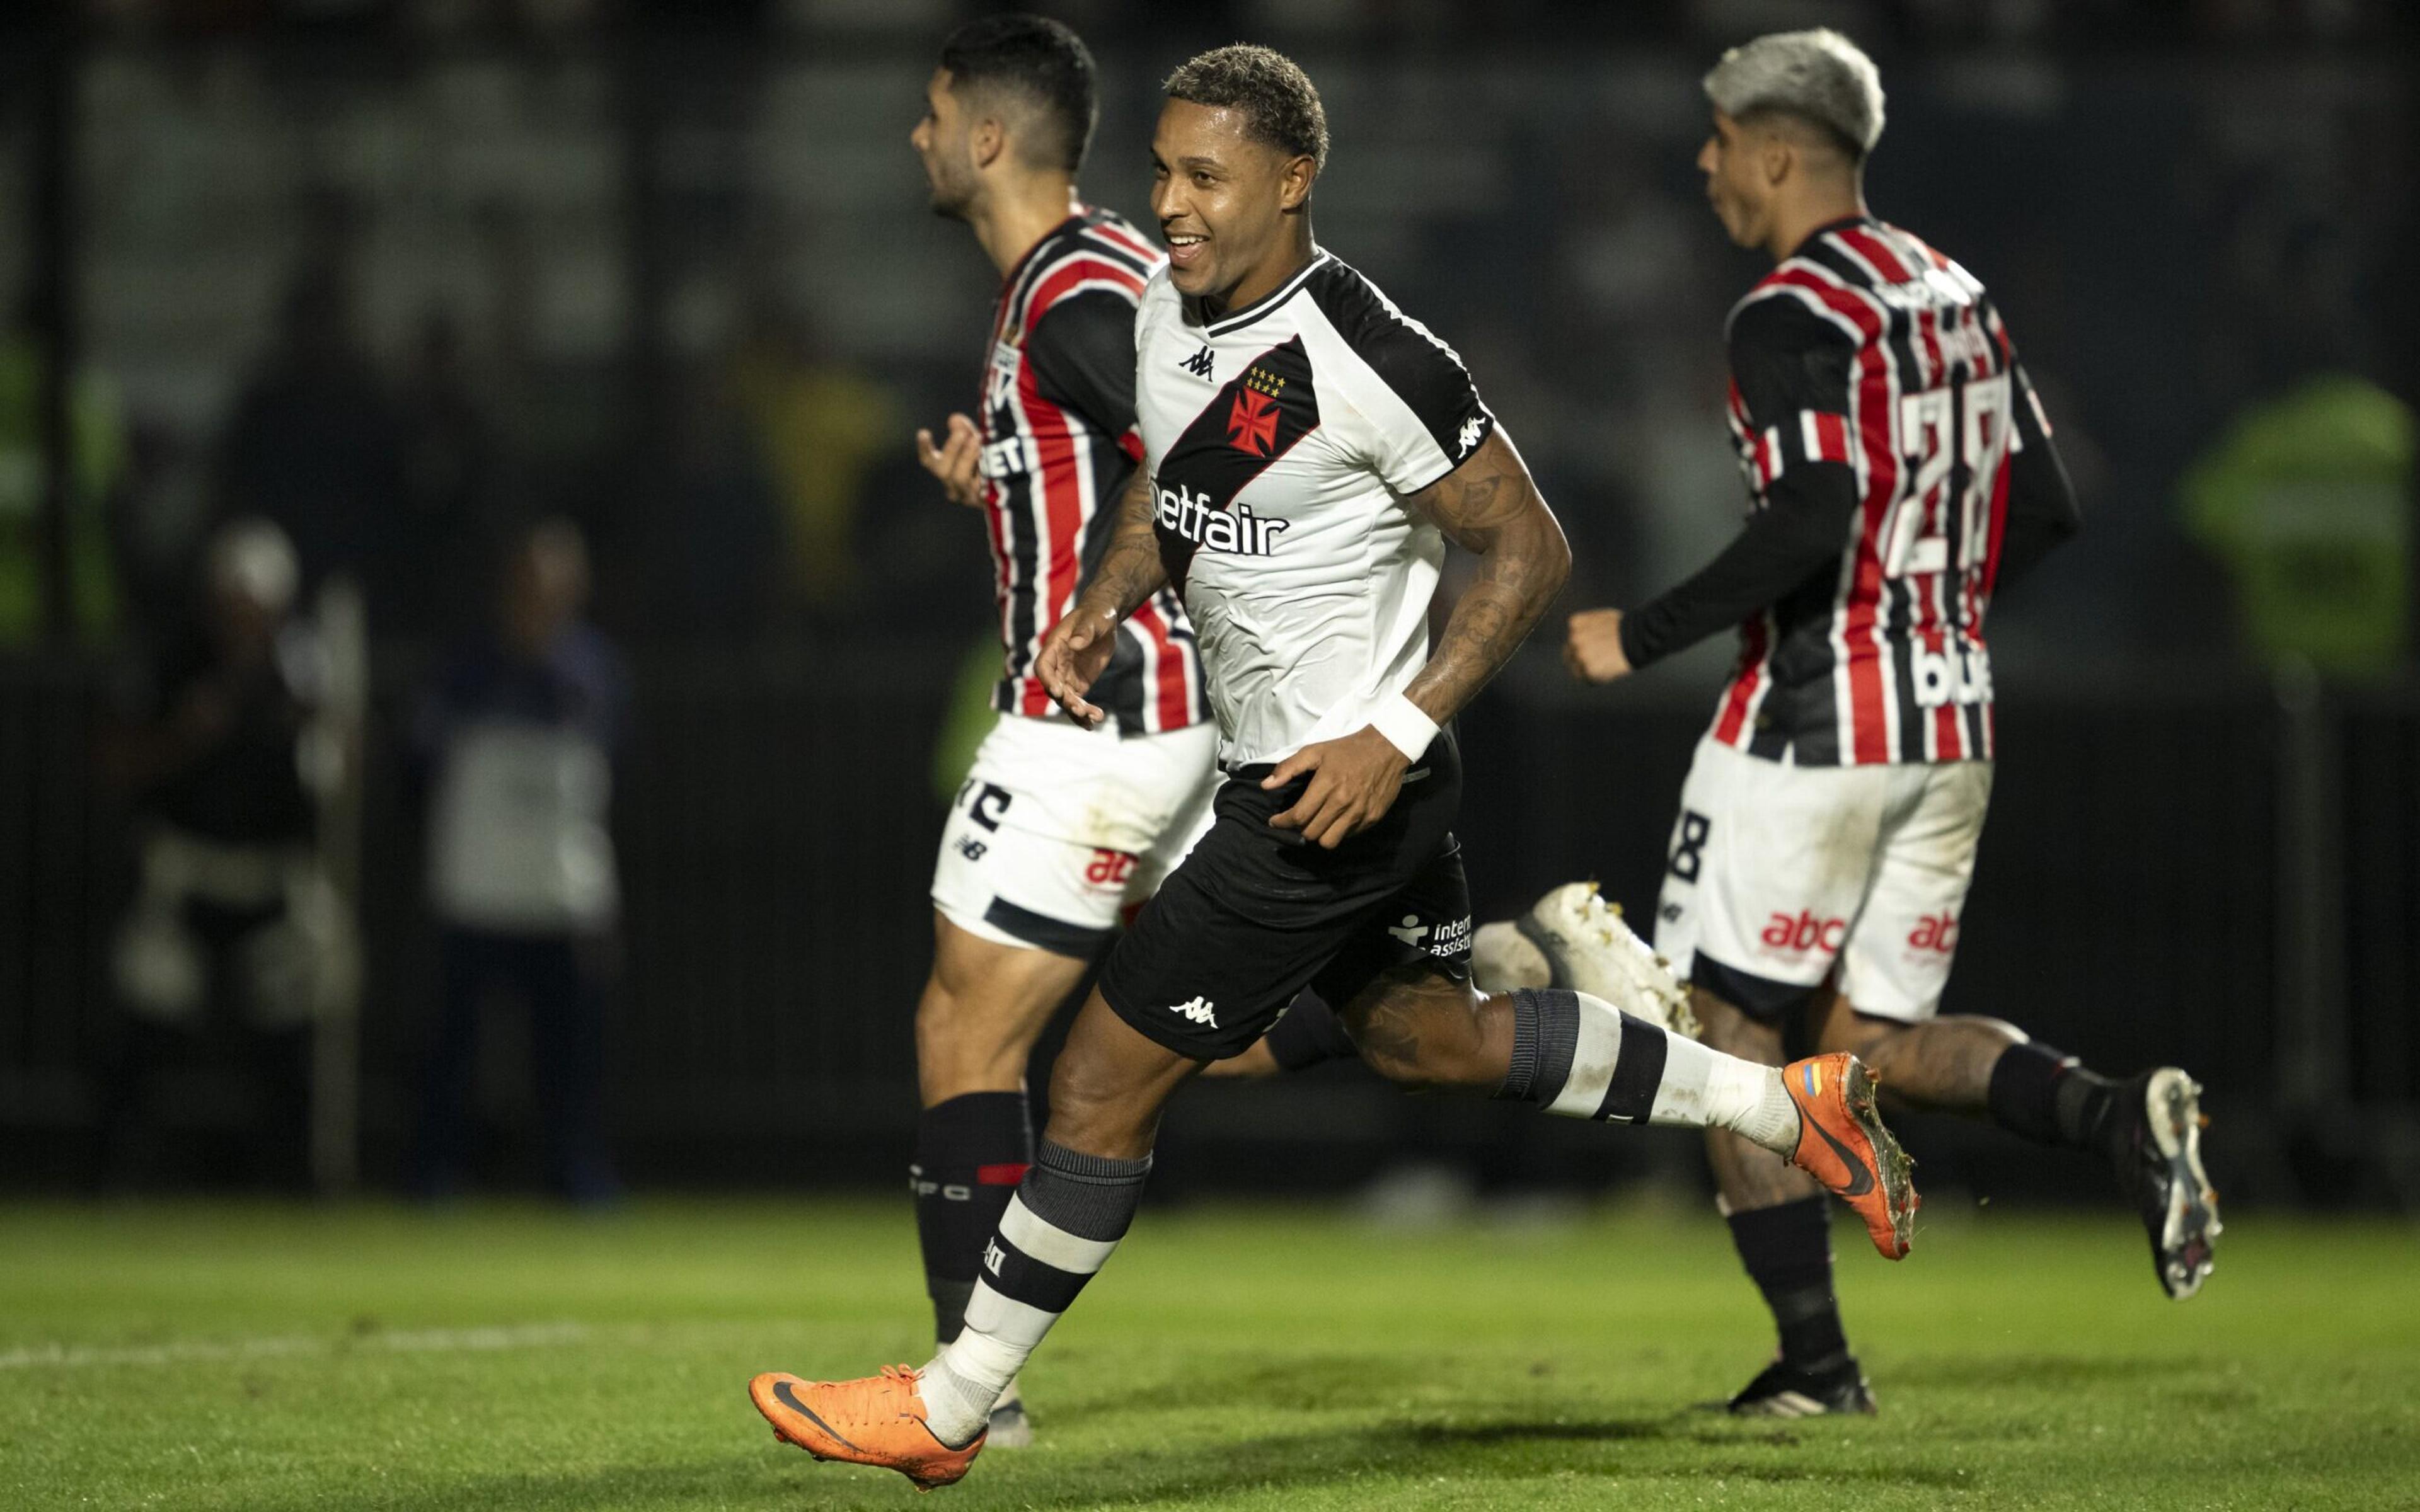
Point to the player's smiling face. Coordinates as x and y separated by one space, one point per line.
942 140
1732 163
1226 203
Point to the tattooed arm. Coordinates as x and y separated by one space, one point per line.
1490 508
1079 646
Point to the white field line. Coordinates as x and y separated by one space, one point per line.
402 1341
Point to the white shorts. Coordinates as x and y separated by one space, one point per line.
1777 874
1058 829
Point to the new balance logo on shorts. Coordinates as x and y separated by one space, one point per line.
1199 1010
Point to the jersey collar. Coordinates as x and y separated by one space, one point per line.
1238 319
1017 270
1841 223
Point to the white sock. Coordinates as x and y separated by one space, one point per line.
1710 1090
960 1385
1581 1058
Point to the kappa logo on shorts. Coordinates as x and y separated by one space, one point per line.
1199 1010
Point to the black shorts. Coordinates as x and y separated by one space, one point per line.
1255 915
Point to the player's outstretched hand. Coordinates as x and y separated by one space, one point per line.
953 461
1074 653
1592 649
1353 783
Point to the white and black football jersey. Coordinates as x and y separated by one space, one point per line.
1281 440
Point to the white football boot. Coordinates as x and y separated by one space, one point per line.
1585 946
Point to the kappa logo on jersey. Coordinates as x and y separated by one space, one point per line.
1472 429
1199 1010
1199 363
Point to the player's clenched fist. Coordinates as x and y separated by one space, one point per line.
1592 649
954 460
1074 653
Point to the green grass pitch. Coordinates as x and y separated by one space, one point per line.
268 1358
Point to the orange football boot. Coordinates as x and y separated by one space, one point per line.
1842 1144
877 1421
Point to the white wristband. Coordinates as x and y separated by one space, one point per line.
1404 726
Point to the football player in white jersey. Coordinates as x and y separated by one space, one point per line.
1308 450
1058 829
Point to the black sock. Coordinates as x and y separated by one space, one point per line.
2040 1094
970 1153
1545 1037
1787 1252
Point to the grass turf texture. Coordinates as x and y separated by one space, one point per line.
267 1358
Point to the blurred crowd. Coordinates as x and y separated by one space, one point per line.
688 297
481 330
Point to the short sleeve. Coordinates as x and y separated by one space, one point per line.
1082 354
1788 360
1425 415
1790 391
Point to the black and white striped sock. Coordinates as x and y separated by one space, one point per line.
1581 1058
1067 1216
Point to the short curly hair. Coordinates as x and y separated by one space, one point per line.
1280 105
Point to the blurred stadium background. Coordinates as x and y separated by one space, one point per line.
399 272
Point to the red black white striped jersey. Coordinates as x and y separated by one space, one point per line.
1058 421
1870 369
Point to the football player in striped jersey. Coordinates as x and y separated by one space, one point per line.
1057 828
1900 474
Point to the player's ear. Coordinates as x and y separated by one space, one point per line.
986 141
1293 183
1776 155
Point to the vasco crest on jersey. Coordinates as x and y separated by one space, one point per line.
1253 420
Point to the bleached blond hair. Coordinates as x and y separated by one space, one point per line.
1818 76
